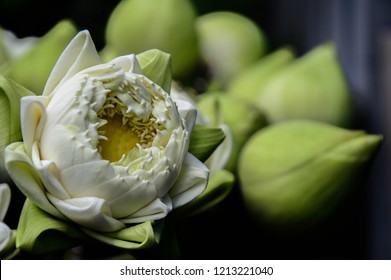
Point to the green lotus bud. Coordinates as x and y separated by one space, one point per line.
32 69
229 43
242 118
312 87
246 84
11 47
139 25
295 172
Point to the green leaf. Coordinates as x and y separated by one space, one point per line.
40 233
10 95
139 236
156 65
204 140
219 187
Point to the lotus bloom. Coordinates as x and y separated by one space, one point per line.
5 231
294 172
105 146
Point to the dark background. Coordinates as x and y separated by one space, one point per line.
361 226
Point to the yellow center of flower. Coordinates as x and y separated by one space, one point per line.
121 139
123 130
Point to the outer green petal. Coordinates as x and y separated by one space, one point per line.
135 237
156 65
10 95
39 232
204 140
21 169
78 55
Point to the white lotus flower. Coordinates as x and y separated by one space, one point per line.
5 231
105 146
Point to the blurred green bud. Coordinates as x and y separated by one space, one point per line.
242 118
11 47
4 57
136 26
229 43
33 67
313 87
247 83
295 172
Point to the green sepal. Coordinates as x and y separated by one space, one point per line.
156 65
40 233
10 95
139 236
219 187
204 140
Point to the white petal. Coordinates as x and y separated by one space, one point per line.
33 117
5 235
5 198
90 212
49 176
66 148
158 209
191 182
125 195
128 63
188 112
21 169
78 55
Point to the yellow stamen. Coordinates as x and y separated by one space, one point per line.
121 139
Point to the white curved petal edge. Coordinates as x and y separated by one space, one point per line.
78 55
5 235
191 182
33 115
5 198
91 212
5 231
20 167
186 106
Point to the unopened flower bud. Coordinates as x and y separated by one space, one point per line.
229 43
295 172
312 87
136 26
242 118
